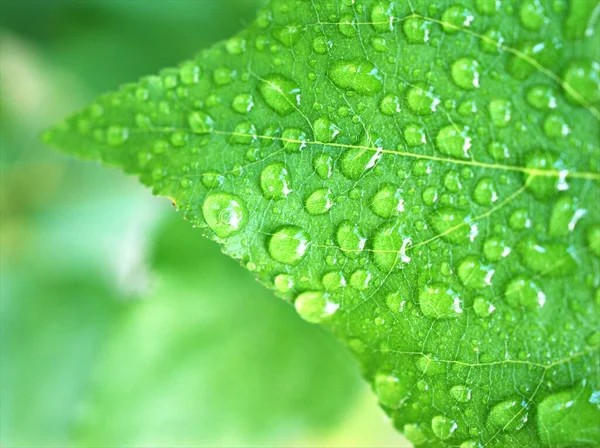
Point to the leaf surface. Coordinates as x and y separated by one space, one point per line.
419 177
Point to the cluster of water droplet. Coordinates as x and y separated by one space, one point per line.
406 175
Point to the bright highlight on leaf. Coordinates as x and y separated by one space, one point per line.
422 178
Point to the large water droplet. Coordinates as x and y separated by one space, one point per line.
350 239
314 306
421 100
416 30
532 14
542 97
382 16
323 166
356 161
275 181
485 192
473 274
551 259
390 247
565 216
225 214
289 245
522 291
453 140
438 301
280 93
450 224
466 73
289 34
443 427
510 415
582 82
570 418
325 131
387 201
360 76
456 17
319 202
200 123
391 392
414 434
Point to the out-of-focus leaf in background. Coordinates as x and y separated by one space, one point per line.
107 337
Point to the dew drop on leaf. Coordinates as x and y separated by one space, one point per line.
466 73
510 415
443 427
289 245
350 239
275 181
225 214
319 202
438 301
360 76
280 93
390 390
453 140
200 122
387 201
314 306
522 291
420 99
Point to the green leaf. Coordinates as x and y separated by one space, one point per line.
420 178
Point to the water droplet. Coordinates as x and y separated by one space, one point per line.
582 82
519 219
416 30
387 201
453 140
223 76
189 73
450 223
510 415
275 181
443 427
495 249
325 131
319 202
390 247
565 216
360 76
542 187
314 306
593 239
438 301
465 73
500 112
532 14
284 283
225 214
455 18
542 97
460 393
243 134
321 45
289 245
499 151
236 45
390 105
391 392
414 434
294 140
522 291
492 41
482 307
116 135
420 99
360 279
280 93
473 274
556 127
570 418
346 26
243 103
520 64
288 34
350 239
414 135
333 280
323 166
200 123
485 192
356 161
487 7
212 180
552 259
382 16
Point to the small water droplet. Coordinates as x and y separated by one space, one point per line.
325 131
288 34
454 140
455 18
551 259
495 249
321 45
350 239
416 30
382 16
414 135
500 112
443 427
532 14
200 123
284 283
333 280
294 140
482 307
510 415
421 100
473 274
485 192
323 165
450 223
387 201
390 105
522 291
243 103
116 135
542 97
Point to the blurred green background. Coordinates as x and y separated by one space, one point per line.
119 324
